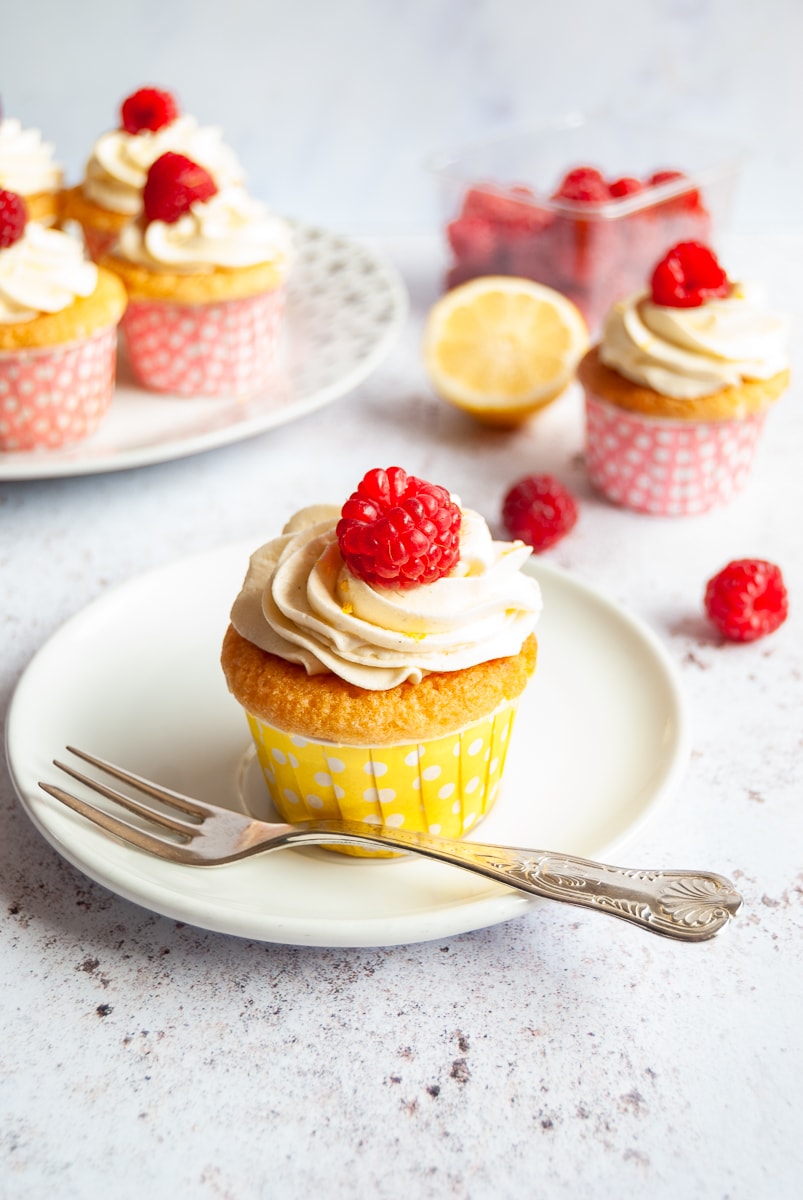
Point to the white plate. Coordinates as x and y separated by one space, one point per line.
345 310
600 738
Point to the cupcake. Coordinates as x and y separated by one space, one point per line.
58 334
679 385
205 270
379 653
111 192
27 168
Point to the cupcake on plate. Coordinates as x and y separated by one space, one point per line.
58 334
28 168
679 386
379 652
110 193
205 270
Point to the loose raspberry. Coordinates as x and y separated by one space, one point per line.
687 276
539 510
747 599
13 218
584 185
626 186
148 109
173 184
399 531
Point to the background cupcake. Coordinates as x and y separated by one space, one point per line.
27 167
58 334
679 386
379 652
205 272
150 124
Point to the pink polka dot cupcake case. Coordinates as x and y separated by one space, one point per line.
678 390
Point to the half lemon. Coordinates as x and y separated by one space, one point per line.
500 347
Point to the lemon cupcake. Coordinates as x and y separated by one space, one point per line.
28 168
679 386
110 193
379 652
205 271
58 334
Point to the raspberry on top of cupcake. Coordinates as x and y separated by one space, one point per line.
150 125
28 168
696 344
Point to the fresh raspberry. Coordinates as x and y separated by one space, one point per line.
688 275
539 510
173 184
682 203
514 211
747 599
399 531
626 186
473 239
13 218
149 109
583 185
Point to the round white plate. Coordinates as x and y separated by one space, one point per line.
600 739
345 310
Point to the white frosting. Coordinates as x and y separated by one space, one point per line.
229 230
120 161
687 353
26 162
43 272
300 602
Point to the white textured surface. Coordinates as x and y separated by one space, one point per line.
557 1052
333 105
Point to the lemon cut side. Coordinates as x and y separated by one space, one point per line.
500 347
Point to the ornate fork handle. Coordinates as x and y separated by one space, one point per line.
689 906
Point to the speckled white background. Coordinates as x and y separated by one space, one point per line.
556 1053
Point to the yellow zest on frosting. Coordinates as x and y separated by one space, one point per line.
289 606
686 353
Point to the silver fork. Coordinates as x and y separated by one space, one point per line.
690 906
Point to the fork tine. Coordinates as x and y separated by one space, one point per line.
186 828
187 804
121 829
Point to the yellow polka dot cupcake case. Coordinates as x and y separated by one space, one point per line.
442 786
379 652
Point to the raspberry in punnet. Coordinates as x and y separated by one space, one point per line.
148 108
399 531
747 599
173 185
584 185
539 510
687 276
13 218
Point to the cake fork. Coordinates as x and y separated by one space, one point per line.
690 906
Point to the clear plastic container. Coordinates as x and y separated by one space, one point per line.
502 215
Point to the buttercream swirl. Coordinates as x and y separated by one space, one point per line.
27 166
43 272
119 164
687 353
299 601
231 230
